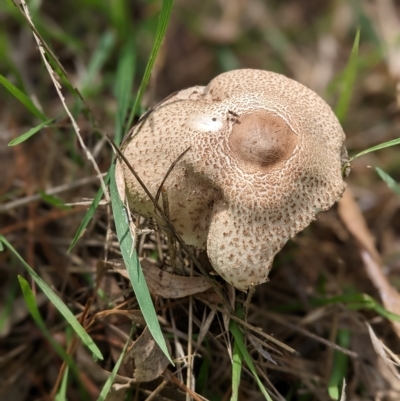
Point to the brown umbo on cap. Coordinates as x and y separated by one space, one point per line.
266 155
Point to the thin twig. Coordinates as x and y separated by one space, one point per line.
251 327
294 327
38 221
189 375
52 191
170 238
171 167
158 389
182 386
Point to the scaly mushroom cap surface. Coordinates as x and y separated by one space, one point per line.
266 154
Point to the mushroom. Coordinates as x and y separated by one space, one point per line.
265 156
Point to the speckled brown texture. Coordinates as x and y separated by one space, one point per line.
265 156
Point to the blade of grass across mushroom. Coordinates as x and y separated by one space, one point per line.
107 385
238 336
347 81
391 183
136 276
34 311
123 85
57 302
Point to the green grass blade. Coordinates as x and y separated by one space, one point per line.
347 82
123 86
34 311
89 214
18 94
160 32
391 183
107 385
236 371
118 11
238 336
57 302
357 301
54 201
7 306
28 134
388 144
340 365
204 370
62 391
100 56
133 266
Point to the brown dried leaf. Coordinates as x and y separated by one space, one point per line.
150 362
169 285
352 217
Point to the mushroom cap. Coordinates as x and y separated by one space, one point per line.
266 154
